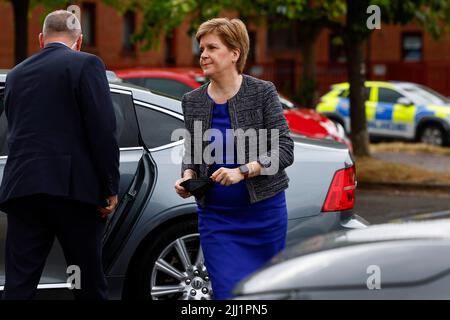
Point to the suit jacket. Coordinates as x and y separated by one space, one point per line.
61 128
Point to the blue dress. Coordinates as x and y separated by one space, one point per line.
237 237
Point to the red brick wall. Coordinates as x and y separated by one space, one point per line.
6 36
108 38
385 49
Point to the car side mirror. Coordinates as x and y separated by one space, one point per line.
404 101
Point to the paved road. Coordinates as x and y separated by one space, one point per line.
378 206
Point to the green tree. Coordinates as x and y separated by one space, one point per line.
163 16
433 15
309 18
345 17
349 19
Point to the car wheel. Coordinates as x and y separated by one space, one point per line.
433 134
172 268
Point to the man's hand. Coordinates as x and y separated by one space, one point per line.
226 176
112 204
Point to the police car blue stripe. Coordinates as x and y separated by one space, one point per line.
343 107
422 111
384 111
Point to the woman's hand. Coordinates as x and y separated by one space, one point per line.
181 191
226 176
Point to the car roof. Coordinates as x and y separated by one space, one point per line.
178 70
189 78
391 83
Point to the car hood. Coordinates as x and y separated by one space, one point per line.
441 111
403 253
310 123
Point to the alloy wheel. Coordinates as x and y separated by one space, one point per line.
432 135
179 272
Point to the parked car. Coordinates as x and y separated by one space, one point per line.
404 260
151 242
176 82
309 123
171 81
394 110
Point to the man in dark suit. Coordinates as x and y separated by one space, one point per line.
62 173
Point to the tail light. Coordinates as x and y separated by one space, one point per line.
341 194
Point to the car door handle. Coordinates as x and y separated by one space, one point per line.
132 193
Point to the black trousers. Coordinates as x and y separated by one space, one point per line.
33 223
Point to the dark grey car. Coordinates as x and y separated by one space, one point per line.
151 245
406 260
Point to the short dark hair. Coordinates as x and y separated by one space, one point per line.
61 22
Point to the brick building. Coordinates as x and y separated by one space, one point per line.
394 52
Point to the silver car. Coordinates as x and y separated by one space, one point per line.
396 261
151 243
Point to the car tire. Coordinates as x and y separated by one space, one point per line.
434 135
170 268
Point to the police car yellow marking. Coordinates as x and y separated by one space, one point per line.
402 113
370 110
328 106
439 111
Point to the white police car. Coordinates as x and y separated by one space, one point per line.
394 110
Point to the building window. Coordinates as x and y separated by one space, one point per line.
170 49
336 49
129 26
252 52
88 22
412 46
282 35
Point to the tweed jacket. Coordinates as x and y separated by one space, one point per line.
255 106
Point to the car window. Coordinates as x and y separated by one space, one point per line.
424 95
345 93
156 127
135 81
127 129
168 86
3 127
388 95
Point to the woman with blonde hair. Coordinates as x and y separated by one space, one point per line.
243 217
